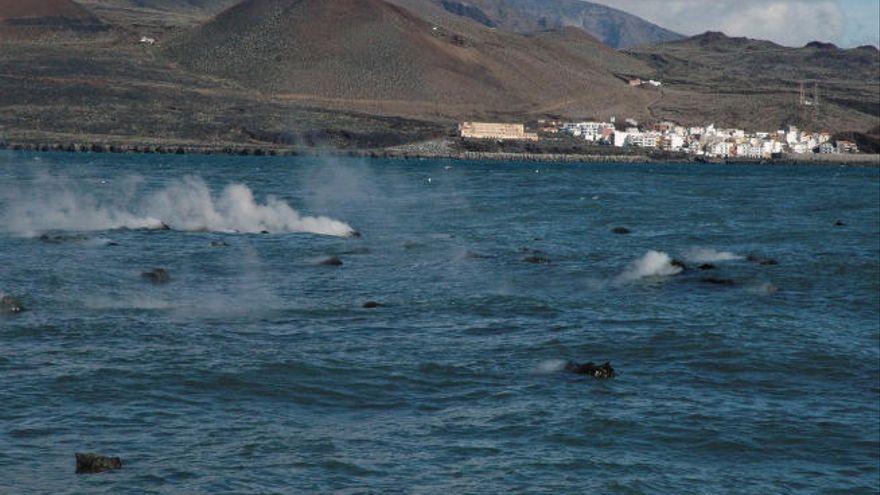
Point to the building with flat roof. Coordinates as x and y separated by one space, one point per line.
493 130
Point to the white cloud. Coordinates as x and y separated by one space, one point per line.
788 22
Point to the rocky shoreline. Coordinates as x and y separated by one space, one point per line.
417 153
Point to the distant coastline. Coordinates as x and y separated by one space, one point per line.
416 152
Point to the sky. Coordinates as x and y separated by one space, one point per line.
846 23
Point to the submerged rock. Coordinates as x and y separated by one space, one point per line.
372 305
331 261
602 372
535 256
62 238
95 463
537 259
10 306
473 255
157 276
753 258
621 230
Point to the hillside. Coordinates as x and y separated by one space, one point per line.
35 11
156 14
739 80
22 20
613 27
377 56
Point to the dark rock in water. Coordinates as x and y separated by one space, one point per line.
752 258
601 372
62 238
679 264
536 256
217 244
707 266
157 276
472 255
94 463
719 281
839 223
372 305
621 230
10 306
331 261
537 259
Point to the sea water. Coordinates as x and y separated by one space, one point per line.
257 369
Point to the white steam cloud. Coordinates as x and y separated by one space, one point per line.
185 204
706 255
652 264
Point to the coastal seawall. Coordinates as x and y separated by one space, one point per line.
420 151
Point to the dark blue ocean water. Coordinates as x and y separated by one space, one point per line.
256 370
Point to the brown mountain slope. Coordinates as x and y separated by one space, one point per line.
156 13
377 56
19 10
43 19
739 81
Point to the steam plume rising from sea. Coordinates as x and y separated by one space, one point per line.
186 204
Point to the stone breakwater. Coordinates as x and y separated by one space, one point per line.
428 153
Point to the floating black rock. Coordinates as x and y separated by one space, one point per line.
157 276
372 305
707 266
10 306
94 463
621 230
331 261
600 372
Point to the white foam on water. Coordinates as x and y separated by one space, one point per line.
551 366
708 255
652 264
